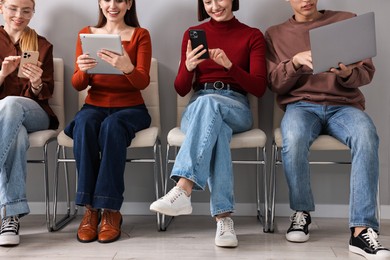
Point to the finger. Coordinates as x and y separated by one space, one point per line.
124 51
335 71
189 47
199 54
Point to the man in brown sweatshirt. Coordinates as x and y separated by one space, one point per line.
329 103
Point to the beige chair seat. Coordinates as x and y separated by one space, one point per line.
143 138
250 139
323 142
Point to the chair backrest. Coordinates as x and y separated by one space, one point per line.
183 101
278 114
56 102
150 95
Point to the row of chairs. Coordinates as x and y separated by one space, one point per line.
253 140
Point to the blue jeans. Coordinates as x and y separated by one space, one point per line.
18 117
301 125
209 121
101 137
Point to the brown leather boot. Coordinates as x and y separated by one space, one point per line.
110 228
87 231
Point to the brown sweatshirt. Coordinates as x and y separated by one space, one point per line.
15 86
291 37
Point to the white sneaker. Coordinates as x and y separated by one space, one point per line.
299 228
174 203
9 232
226 236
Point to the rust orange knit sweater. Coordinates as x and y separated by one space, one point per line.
118 90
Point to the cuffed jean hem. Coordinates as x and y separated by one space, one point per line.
197 186
19 208
98 202
222 211
300 208
369 225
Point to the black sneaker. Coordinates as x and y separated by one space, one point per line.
299 228
367 245
9 232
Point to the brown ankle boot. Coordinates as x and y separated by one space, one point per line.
110 228
87 231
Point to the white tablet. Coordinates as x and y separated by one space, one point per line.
92 43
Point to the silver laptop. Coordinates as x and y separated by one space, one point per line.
348 41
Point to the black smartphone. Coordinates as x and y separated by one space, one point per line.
197 38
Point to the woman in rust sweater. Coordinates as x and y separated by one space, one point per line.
24 108
113 112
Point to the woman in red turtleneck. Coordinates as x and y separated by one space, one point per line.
218 108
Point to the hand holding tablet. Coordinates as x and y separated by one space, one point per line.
92 45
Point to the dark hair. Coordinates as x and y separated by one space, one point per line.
131 18
202 14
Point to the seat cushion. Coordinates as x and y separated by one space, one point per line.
143 138
249 139
323 142
39 138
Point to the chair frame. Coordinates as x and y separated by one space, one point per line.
317 145
57 103
156 160
259 162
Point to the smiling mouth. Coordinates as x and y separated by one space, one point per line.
218 13
18 22
309 6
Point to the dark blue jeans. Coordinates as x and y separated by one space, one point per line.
101 137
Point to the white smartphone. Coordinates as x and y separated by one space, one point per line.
27 57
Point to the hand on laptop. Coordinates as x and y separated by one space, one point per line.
302 58
345 71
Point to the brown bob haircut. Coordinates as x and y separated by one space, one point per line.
202 14
131 18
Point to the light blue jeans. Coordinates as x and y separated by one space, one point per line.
18 117
301 124
209 121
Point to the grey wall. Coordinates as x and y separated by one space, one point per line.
60 20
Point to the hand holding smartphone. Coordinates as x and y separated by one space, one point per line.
27 57
197 38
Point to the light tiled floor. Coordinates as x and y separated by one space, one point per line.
188 237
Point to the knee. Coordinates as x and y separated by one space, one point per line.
294 139
368 137
22 141
10 106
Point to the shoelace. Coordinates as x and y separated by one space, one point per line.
298 220
226 225
372 238
174 194
10 224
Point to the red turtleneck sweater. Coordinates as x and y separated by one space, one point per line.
243 45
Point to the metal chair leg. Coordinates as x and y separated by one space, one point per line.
57 225
166 220
272 188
